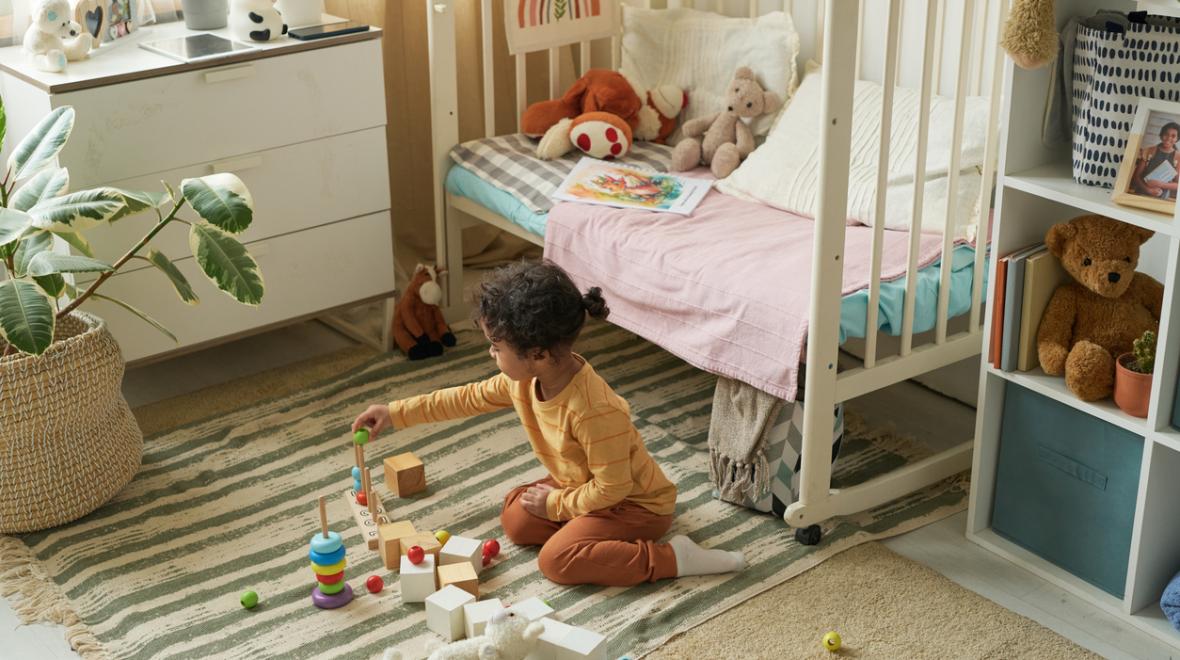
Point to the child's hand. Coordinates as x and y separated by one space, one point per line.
375 418
533 500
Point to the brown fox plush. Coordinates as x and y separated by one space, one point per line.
418 324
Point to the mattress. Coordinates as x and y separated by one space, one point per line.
465 183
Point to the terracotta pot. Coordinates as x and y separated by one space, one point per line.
1132 390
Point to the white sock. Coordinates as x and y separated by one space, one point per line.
692 559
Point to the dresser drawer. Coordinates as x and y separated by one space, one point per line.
304 272
294 188
163 123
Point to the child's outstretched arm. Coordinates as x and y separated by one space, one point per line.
438 406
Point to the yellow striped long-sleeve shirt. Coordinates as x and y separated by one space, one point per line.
583 436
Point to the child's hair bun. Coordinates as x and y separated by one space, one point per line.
594 304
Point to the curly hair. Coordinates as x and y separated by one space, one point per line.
1170 126
536 306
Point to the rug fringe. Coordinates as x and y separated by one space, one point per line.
40 600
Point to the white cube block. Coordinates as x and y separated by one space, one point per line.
533 609
478 614
460 549
444 611
555 632
417 581
582 644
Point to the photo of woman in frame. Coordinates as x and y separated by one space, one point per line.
1150 172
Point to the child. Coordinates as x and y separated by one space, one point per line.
598 515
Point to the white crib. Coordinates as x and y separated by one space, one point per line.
952 50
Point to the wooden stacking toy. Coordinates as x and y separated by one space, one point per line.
328 562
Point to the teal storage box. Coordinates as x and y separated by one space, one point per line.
1066 486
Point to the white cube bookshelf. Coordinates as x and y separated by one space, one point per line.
1035 190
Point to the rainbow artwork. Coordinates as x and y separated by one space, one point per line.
540 12
532 25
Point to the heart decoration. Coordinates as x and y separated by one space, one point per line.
93 18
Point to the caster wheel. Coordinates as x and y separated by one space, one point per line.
808 535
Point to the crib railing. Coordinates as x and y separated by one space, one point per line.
957 57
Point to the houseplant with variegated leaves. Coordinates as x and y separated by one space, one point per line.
67 436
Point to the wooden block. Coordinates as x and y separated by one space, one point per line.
581 644
533 609
389 537
405 475
364 519
476 615
461 575
424 539
444 612
547 645
460 549
417 581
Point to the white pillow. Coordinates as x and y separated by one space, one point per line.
784 171
699 52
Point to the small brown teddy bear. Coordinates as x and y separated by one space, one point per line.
418 324
727 137
1092 320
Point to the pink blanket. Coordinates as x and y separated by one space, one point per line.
727 289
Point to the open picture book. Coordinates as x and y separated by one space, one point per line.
594 181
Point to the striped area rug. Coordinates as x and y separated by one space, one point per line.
228 504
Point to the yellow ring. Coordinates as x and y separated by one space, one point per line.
329 570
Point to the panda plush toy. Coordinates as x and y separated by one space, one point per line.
256 20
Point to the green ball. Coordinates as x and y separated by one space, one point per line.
361 436
249 599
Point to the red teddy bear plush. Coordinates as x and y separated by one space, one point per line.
601 114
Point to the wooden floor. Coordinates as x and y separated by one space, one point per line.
942 546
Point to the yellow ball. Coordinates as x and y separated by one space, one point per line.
832 641
442 535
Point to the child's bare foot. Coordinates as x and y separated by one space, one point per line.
692 559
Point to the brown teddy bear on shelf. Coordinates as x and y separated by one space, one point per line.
1095 318
418 324
725 138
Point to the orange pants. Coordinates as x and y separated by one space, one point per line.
613 547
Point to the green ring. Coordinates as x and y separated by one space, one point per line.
329 589
361 437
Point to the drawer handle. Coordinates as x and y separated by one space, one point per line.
236 164
1071 467
229 73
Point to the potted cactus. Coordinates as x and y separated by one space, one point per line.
1132 376
68 441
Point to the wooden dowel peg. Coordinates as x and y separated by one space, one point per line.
323 517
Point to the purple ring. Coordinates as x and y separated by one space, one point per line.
326 602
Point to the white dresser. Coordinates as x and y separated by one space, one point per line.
302 124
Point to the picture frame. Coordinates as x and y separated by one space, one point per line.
92 16
1148 175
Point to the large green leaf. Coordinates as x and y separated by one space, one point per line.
183 288
49 263
156 324
33 244
137 201
26 316
42 144
76 241
53 285
227 263
222 199
80 210
13 224
43 185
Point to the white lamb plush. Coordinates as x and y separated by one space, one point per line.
256 20
53 38
508 636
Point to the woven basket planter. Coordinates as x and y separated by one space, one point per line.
68 441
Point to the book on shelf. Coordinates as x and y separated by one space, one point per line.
1013 306
993 353
1042 275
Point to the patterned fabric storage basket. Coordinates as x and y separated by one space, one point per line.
68 441
784 448
1116 61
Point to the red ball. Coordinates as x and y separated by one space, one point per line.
492 547
374 584
416 554
362 499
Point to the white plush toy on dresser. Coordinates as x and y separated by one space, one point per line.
53 38
255 20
